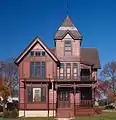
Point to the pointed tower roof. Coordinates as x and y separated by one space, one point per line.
67 27
67 22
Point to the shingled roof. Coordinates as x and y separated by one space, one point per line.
67 22
90 56
67 27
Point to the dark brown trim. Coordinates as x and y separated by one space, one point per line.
70 33
32 47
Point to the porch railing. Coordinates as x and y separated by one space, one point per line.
78 78
82 104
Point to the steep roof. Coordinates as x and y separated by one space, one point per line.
67 22
67 27
31 45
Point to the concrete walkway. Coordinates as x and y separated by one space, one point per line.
62 118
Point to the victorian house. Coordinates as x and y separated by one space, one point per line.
58 81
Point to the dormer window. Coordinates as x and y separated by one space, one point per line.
67 47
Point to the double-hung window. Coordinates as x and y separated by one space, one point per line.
68 70
62 71
37 70
75 70
67 47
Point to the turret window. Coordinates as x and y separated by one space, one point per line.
67 47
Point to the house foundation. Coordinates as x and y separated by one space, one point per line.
36 113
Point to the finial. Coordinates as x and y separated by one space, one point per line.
67 7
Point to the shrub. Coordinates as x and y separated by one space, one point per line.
13 113
98 110
1 108
5 114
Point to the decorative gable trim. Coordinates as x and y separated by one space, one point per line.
30 46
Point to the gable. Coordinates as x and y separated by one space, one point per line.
36 44
37 47
68 36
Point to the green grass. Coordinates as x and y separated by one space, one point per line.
104 116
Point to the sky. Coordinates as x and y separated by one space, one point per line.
22 20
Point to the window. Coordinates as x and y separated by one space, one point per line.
38 70
64 96
75 70
68 70
67 47
32 53
43 70
43 53
37 53
36 95
62 71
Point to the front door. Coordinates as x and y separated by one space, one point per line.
64 98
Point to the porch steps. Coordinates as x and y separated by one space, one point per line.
85 112
64 112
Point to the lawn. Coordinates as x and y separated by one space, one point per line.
104 116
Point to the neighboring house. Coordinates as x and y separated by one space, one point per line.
58 81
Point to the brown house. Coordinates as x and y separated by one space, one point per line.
58 81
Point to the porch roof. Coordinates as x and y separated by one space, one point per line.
59 82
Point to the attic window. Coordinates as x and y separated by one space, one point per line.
37 53
43 53
32 53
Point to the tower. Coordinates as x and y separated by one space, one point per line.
67 40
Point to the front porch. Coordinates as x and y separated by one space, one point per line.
63 98
74 101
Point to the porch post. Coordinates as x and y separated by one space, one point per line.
48 97
74 97
53 99
93 95
24 95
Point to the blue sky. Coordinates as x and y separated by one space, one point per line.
22 20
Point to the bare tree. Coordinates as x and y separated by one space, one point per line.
108 75
9 74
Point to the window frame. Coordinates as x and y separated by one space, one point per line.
35 53
33 70
61 73
43 94
75 73
68 67
67 46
